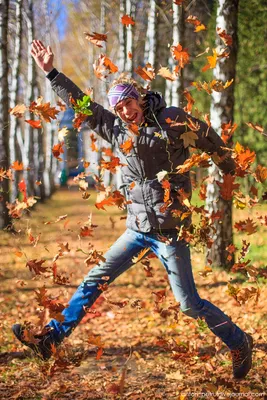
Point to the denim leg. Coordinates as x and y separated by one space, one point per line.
118 259
176 259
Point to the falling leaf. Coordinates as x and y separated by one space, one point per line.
261 174
127 146
96 38
140 255
147 72
111 165
18 110
17 166
36 266
189 138
130 56
248 226
181 55
57 150
227 186
227 131
195 21
62 133
227 39
61 105
190 100
44 111
166 73
34 124
127 20
103 66
212 60
86 231
256 127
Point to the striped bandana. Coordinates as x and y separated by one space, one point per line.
121 92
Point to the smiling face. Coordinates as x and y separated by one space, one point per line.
129 110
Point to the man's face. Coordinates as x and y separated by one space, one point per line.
130 111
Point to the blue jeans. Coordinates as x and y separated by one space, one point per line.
176 259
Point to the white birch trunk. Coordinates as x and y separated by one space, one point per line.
222 111
150 46
14 93
172 88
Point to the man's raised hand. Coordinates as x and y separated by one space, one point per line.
43 56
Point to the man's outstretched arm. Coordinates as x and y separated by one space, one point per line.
101 120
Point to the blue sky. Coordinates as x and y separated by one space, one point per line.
58 8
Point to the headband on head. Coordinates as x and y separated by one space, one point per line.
121 92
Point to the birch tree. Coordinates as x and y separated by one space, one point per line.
222 111
4 116
15 71
173 88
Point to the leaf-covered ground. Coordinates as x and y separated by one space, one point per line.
125 348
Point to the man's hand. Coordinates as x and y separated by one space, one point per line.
43 56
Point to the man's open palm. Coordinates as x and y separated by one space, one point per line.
43 56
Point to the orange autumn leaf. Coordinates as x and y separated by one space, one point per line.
214 85
130 56
248 226
78 121
103 66
212 60
261 174
93 142
112 164
96 38
140 255
227 39
57 150
17 166
127 146
190 100
61 106
132 185
181 55
34 124
115 199
86 231
44 111
147 72
195 21
243 157
107 151
227 186
199 160
227 131
134 128
127 20
167 190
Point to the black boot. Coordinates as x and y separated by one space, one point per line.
43 343
242 358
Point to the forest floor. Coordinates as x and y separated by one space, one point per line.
146 354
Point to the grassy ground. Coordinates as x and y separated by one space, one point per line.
147 355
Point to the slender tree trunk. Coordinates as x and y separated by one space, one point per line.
122 38
5 219
14 93
222 111
130 10
172 96
49 128
150 46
